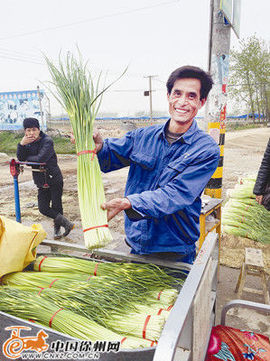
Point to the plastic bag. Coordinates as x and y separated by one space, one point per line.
18 244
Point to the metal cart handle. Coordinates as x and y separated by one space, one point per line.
243 304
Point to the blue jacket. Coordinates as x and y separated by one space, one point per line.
164 185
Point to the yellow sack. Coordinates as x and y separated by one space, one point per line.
18 244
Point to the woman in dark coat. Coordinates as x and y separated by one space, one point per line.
38 147
263 178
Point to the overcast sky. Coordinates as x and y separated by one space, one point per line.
153 37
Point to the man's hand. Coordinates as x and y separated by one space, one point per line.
72 138
96 136
259 199
98 140
115 206
27 140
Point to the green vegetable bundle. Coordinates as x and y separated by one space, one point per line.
96 298
126 298
148 275
80 95
243 216
164 297
141 325
117 312
243 189
154 309
41 279
29 306
133 299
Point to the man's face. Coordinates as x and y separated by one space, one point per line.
32 133
184 100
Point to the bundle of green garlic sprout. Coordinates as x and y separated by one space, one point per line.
80 94
243 216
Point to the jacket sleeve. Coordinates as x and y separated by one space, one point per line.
180 192
263 177
45 153
21 152
115 153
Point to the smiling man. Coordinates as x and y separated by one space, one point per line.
184 103
170 166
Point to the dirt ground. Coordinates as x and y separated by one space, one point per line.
243 153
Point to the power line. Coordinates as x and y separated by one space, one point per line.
17 52
160 81
127 90
19 59
89 20
15 55
133 90
251 84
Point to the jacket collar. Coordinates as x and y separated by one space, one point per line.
41 136
187 137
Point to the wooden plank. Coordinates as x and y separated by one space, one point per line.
202 311
253 290
182 355
254 257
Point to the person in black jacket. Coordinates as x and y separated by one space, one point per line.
263 177
38 147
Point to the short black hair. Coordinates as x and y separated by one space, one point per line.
189 71
31 123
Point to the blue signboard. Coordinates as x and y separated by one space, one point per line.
227 7
18 105
236 17
232 11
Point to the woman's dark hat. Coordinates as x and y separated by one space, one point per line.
31 123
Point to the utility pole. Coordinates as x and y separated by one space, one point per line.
267 110
149 93
49 105
215 115
40 108
48 116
